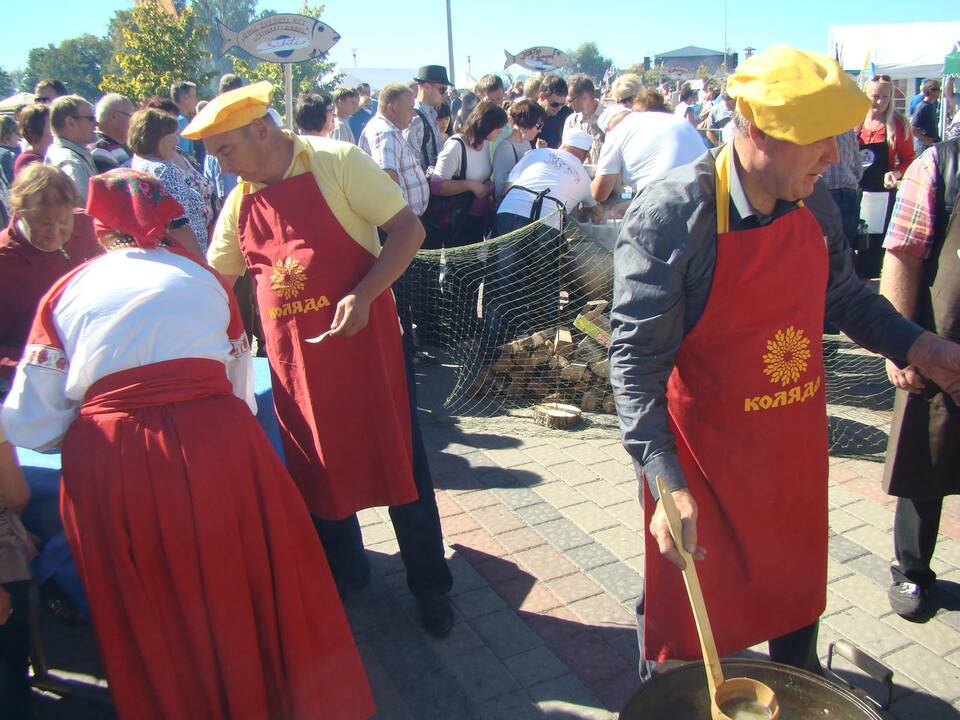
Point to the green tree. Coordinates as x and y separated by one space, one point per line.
235 14
79 62
6 84
586 59
154 49
309 76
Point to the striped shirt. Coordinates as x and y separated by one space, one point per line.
914 214
383 141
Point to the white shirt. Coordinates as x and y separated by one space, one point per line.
479 166
647 144
559 172
125 309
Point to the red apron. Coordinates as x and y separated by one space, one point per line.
342 404
746 403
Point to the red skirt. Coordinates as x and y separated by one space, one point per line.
210 593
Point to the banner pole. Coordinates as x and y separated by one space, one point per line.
288 93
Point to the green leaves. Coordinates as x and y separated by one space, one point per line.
154 49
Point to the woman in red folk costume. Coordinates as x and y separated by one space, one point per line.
210 593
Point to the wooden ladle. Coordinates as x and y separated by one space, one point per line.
734 699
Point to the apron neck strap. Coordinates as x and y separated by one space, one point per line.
723 165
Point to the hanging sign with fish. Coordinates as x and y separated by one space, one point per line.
538 59
282 38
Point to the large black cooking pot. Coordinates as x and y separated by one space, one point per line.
681 693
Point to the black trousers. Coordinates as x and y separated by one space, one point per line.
797 649
416 524
915 527
14 654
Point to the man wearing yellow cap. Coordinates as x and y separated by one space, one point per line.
723 271
304 220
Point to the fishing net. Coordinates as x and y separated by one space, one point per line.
522 320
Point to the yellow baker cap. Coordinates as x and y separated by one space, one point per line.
230 111
797 96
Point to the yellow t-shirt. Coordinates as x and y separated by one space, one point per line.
360 195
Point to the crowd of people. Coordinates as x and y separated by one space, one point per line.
153 245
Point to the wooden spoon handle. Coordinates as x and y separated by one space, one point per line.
692 581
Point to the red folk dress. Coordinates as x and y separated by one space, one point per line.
210 592
746 402
342 404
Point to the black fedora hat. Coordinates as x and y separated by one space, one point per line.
436 74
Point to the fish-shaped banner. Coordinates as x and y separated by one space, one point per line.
282 38
538 59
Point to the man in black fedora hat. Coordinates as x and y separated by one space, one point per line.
423 134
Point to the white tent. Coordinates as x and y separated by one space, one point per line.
14 101
904 51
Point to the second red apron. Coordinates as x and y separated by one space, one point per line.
746 402
341 404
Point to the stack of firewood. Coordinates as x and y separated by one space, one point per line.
556 365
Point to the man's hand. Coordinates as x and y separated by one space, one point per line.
6 606
909 378
890 180
660 529
938 360
351 317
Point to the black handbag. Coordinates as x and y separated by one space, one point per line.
446 215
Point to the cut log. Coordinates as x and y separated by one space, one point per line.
601 368
563 339
591 401
502 364
574 372
556 415
541 337
590 351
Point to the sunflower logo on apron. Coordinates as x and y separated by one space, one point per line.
288 278
786 356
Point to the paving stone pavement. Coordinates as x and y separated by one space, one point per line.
543 532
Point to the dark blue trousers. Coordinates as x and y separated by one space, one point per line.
416 524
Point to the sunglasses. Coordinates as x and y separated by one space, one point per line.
880 78
555 104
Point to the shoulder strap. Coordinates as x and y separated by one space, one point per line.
427 133
516 158
463 159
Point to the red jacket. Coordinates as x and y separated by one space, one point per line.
26 274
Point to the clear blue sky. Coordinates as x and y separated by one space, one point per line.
409 33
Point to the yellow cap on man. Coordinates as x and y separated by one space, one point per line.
230 111
797 96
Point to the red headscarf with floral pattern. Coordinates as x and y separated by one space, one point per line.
132 203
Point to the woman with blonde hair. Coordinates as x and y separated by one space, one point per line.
886 150
624 92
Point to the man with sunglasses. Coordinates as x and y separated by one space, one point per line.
423 135
73 124
553 99
49 90
926 130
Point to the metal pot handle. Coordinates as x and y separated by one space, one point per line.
866 662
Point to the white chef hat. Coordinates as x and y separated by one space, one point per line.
577 138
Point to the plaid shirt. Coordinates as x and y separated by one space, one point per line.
911 226
845 174
383 141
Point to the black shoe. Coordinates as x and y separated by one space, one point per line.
910 601
436 614
59 605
